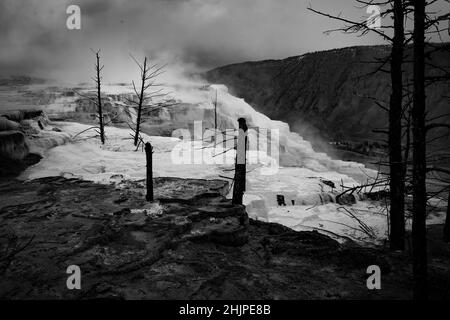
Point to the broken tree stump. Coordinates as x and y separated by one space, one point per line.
240 166
149 157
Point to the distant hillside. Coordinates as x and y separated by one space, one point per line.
326 93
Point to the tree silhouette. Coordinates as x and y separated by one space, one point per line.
146 95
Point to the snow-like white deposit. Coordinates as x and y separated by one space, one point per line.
270 136
88 159
310 204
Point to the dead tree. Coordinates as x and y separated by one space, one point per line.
420 127
215 118
396 164
149 156
418 121
141 98
98 80
419 237
97 101
240 166
145 97
442 154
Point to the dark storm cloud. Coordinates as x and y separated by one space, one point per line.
208 33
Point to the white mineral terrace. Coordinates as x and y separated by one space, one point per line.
310 204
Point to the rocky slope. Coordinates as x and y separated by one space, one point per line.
327 93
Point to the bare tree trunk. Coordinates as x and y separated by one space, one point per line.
99 99
215 119
447 221
141 100
419 237
240 167
396 165
149 156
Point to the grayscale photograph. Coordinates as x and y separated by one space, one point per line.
243 151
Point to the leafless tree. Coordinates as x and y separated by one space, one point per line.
98 81
413 111
424 25
419 156
397 9
98 101
437 157
149 92
396 164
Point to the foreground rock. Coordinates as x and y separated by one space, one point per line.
13 145
191 244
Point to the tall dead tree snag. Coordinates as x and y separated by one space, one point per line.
396 164
240 166
149 157
96 100
419 237
215 118
98 80
145 97
141 99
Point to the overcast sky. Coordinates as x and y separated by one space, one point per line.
200 33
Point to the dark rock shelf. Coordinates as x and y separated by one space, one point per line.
192 243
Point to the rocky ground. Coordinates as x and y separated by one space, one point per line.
190 244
